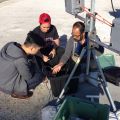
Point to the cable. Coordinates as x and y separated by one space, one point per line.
96 14
112 6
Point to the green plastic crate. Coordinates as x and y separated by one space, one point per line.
82 109
106 60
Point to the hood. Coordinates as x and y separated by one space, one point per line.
12 51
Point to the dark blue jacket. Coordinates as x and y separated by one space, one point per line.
80 46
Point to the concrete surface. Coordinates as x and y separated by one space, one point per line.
17 18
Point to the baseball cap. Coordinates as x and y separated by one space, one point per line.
44 18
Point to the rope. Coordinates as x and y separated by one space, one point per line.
101 19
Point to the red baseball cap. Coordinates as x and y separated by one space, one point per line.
44 18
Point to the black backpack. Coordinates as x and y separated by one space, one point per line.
112 74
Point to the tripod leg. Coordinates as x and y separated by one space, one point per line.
72 73
103 81
88 61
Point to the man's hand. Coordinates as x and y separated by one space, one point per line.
45 58
56 68
53 53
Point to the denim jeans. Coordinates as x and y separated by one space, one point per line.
35 81
37 77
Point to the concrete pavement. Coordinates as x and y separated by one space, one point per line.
17 18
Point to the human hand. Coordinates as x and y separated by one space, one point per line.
45 58
56 68
53 53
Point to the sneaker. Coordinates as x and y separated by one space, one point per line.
30 93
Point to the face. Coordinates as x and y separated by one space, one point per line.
78 37
76 34
45 27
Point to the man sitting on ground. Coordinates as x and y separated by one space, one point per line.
17 74
52 51
80 36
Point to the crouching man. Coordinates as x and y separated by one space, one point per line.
17 74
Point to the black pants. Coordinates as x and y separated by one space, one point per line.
38 76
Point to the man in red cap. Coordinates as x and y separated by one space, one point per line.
52 52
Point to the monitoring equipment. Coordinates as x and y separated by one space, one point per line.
115 34
74 6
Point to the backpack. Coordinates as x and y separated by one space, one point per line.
112 74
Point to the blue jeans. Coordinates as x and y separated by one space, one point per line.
35 81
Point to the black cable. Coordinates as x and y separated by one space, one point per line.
112 6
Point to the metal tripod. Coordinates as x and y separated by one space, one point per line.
102 78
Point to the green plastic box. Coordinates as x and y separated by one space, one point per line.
82 109
106 60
